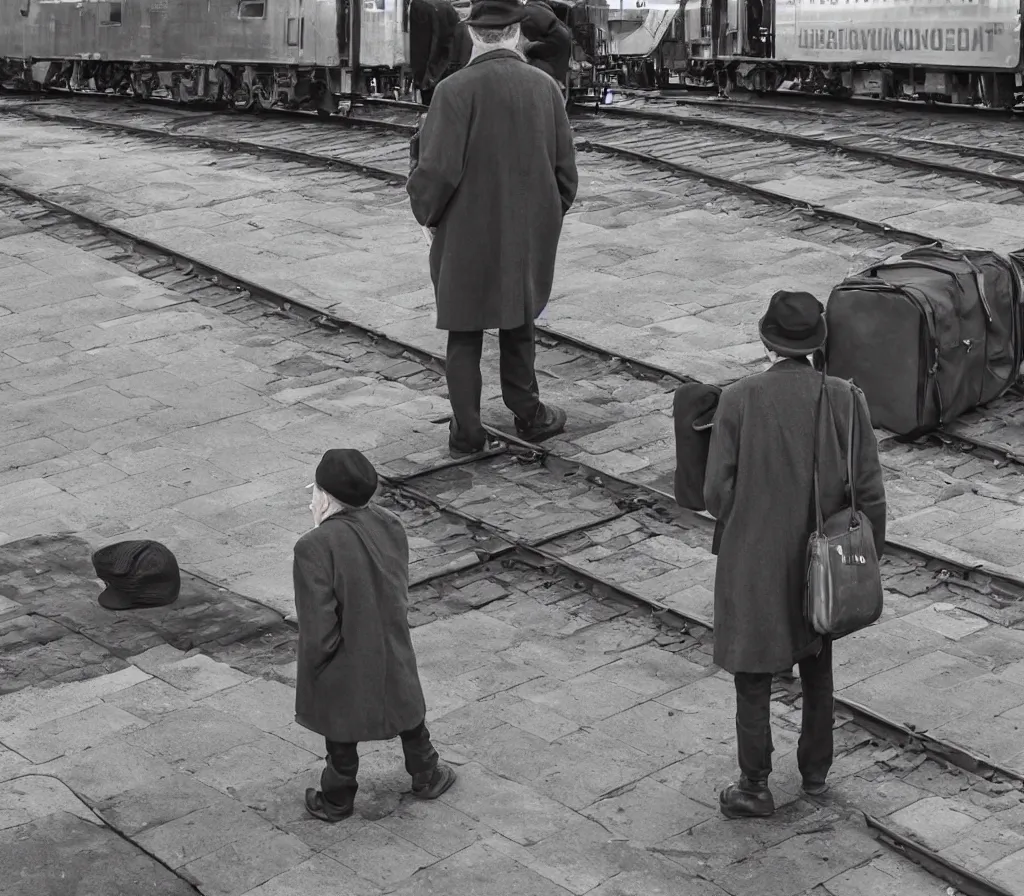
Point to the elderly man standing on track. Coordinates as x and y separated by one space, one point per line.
496 173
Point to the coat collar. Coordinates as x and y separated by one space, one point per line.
496 54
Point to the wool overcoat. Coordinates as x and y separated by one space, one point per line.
758 484
356 678
549 42
496 173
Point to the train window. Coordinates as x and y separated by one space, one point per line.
252 9
113 14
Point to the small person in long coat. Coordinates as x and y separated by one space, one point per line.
759 485
496 173
357 678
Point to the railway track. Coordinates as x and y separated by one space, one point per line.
978 164
364 145
513 477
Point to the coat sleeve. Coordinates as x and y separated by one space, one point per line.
442 149
565 158
316 605
868 471
723 457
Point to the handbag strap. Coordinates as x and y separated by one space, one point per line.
849 448
818 517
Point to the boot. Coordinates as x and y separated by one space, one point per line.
430 785
548 422
747 799
814 788
318 806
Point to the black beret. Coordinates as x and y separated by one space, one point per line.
347 475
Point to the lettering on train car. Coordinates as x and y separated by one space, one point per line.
955 33
939 40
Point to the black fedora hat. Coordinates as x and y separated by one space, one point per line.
347 475
794 324
137 574
495 13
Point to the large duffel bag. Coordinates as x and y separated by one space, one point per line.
928 336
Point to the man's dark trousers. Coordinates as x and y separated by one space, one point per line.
753 720
518 380
338 780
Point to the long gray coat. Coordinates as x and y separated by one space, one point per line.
496 173
357 678
759 485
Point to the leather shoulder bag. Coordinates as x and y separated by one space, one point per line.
844 581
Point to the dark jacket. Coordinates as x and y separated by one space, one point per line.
462 45
759 485
549 42
356 677
693 409
496 173
432 26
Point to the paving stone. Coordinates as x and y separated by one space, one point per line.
73 733
510 809
199 676
202 832
240 866
150 700
34 707
883 876
64 854
936 822
266 760
648 812
33 797
317 876
1008 872
192 734
108 769
474 870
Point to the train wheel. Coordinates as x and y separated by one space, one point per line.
242 98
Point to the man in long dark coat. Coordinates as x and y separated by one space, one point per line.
495 176
758 485
432 25
356 677
549 42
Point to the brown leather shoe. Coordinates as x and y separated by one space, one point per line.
443 778
550 421
747 799
320 808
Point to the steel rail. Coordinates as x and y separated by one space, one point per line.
814 208
838 144
627 495
434 361
965 881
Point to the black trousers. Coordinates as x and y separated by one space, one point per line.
518 381
426 94
753 720
338 780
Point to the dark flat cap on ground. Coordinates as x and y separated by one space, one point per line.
347 475
138 574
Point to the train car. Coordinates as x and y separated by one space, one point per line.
959 51
253 54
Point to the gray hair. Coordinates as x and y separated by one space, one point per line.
496 35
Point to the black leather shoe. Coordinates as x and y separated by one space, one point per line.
320 808
460 452
814 788
442 778
747 799
550 421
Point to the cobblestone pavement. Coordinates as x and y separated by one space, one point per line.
315 235
591 737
